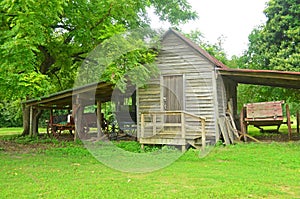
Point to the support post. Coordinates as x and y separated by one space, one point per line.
77 111
154 123
142 125
99 119
243 123
31 121
203 139
288 115
298 121
182 125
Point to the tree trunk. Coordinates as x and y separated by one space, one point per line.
26 118
35 123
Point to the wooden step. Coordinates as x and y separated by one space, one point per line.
171 141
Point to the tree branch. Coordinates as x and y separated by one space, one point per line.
104 17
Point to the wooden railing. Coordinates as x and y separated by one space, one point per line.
154 115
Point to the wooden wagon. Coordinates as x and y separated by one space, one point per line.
265 114
59 123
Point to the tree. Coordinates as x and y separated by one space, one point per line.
42 43
215 50
275 46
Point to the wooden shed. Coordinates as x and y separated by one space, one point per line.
186 100
184 105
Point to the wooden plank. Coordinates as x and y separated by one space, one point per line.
229 129
298 121
203 137
222 125
264 110
99 119
233 125
182 125
142 125
288 115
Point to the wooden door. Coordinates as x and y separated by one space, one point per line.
173 96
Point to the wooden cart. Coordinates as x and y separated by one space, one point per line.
57 124
265 114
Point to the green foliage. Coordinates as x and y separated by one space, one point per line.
215 50
10 113
42 43
135 147
274 46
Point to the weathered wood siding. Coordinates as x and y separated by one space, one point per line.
177 57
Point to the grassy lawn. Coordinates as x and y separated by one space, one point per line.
68 170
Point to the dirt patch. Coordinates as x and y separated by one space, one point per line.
13 147
277 137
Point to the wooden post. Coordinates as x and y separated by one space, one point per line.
31 121
142 125
203 134
243 123
154 123
298 121
77 111
182 125
288 115
99 119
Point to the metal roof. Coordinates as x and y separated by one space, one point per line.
103 91
273 78
88 93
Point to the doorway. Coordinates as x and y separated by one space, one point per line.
173 96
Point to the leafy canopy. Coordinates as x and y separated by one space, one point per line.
43 43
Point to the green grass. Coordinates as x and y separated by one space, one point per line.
16 131
68 170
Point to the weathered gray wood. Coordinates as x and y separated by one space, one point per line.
235 131
229 129
31 121
298 121
99 119
288 116
223 128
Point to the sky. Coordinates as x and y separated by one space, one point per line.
232 19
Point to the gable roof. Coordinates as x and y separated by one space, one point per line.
285 79
196 47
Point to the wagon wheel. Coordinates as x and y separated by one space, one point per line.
288 116
49 129
52 131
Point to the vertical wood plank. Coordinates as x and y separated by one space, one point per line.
99 119
31 121
142 125
182 125
154 123
298 121
288 115
203 134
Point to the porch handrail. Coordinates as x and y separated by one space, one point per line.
154 114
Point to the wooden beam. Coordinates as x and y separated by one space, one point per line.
31 121
203 137
142 125
288 115
99 119
298 121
